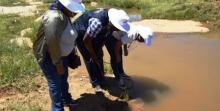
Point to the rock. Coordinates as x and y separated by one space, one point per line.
21 41
25 32
29 1
93 4
36 3
2 107
81 79
16 3
22 10
84 76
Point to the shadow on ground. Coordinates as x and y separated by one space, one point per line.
142 88
98 102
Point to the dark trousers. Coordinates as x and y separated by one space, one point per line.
58 85
116 67
95 70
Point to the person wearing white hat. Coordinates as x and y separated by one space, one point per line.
114 48
54 43
93 28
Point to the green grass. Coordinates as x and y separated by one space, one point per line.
108 68
27 106
17 64
46 1
19 2
202 10
12 2
181 10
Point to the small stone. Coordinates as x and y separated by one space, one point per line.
21 41
25 32
2 107
81 79
93 4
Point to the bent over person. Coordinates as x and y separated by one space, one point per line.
93 28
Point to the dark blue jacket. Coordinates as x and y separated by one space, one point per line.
81 24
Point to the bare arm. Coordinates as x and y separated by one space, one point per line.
117 47
88 44
93 29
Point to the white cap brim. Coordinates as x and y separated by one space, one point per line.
73 6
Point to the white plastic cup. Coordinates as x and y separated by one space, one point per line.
148 41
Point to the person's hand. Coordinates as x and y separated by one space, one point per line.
60 69
125 52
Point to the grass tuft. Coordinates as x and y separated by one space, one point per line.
108 68
12 2
27 106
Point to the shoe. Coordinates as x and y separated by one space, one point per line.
98 89
122 83
70 102
125 76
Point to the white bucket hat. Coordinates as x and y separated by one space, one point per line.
146 33
119 19
75 6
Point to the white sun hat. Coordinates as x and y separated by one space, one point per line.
75 6
146 33
119 19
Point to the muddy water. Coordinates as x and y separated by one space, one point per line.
188 64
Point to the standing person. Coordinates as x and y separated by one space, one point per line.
55 41
93 28
114 48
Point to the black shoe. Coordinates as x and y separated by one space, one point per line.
125 76
121 83
70 102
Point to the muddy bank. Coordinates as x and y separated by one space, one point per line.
173 26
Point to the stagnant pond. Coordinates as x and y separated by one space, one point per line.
179 72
